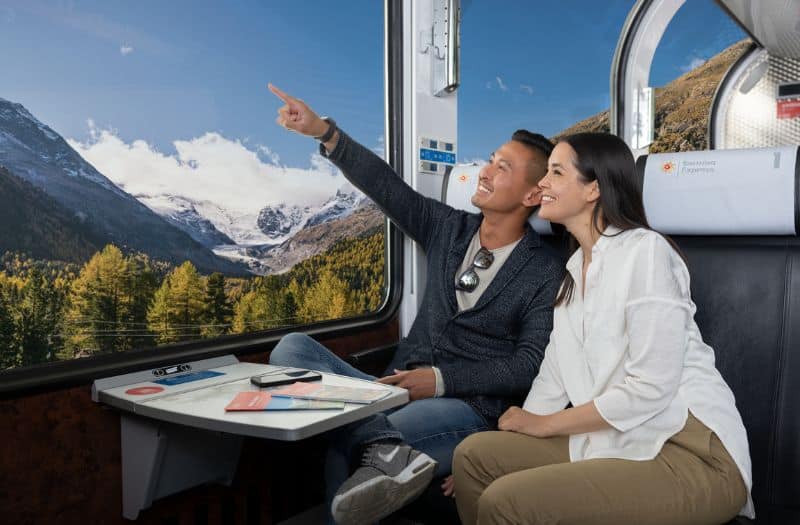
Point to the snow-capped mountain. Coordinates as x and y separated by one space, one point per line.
280 235
215 227
34 152
173 226
310 240
22 135
276 222
283 221
345 202
184 214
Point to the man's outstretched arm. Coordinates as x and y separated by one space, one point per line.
415 214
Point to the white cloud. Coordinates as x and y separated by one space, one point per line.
209 168
501 84
694 62
526 88
125 50
273 157
489 84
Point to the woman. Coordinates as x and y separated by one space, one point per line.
653 434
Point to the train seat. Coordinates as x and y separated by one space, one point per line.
735 215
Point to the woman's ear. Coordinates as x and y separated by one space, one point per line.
593 191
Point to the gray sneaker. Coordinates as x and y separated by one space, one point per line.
390 476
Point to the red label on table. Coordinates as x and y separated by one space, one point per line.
789 108
144 390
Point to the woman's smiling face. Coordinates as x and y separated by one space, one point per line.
566 195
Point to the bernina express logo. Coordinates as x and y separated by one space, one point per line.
462 178
668 167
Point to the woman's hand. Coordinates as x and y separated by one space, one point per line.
449 486
295 115
576 420
517 420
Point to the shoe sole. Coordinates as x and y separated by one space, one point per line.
378 497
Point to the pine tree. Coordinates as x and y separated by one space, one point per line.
345 281
218 309
268 304
158 315
177 311
325 299
96 319
37 319
9 351
140 287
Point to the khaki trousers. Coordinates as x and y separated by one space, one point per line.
505 477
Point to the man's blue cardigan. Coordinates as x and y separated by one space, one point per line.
489 354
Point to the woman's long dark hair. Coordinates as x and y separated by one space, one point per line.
606 158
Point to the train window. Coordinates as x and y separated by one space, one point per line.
146 196
699 45
534 70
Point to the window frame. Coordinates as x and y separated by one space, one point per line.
62 374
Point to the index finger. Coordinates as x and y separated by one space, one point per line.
280 94
389 379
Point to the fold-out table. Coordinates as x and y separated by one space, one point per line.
176 433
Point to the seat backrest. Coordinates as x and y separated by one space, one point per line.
747 291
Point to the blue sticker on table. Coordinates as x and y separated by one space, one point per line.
188 378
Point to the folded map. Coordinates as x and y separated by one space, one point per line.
322 392
265 401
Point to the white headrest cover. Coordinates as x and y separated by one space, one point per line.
722 192
460 185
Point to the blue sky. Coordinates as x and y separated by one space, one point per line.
161 72
554 61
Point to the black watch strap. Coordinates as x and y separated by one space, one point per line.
325 137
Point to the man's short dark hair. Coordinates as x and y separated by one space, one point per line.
539 143
534 140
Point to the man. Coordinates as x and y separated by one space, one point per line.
479 337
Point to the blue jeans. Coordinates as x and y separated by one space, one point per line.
433 426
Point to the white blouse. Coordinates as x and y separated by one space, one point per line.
630 344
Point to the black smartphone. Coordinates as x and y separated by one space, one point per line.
285 377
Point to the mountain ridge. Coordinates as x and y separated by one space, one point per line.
34 152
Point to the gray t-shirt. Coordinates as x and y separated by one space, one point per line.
467 300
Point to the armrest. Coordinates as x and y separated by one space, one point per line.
373 360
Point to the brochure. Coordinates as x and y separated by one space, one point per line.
321 392
265 401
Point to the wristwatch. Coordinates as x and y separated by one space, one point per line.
325 137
